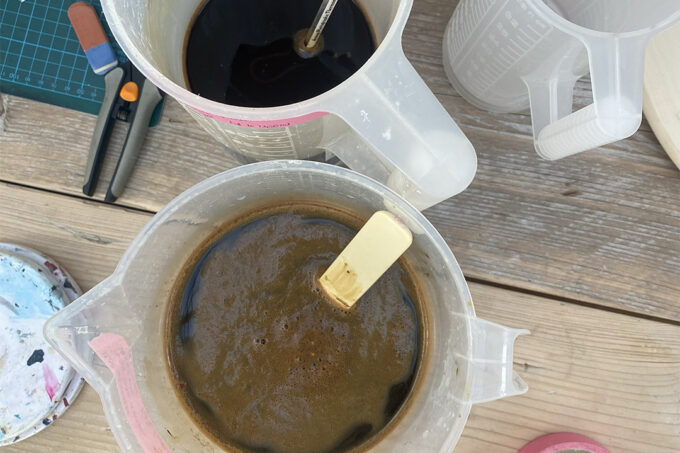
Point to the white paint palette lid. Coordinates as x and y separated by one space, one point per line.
36 384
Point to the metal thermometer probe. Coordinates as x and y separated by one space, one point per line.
314 32
308 43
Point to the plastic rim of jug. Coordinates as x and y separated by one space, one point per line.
276 116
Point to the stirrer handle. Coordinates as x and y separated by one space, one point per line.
378 245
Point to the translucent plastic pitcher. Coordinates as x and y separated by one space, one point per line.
113 334
383 121
507 55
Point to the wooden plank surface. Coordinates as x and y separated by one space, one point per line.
612 376
601 227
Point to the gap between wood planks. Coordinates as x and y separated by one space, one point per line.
572 301
516 289
79 197
507 227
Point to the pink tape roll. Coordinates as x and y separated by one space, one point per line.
563 442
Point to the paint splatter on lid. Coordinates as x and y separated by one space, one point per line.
36 383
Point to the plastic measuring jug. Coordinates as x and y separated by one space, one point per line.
113 334
383 121
507 55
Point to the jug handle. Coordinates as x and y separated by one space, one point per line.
492 362
616 71
415 147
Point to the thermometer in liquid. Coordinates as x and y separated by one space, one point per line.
308 43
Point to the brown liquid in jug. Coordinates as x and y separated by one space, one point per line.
240 52
265 363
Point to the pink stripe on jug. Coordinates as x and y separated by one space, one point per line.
265 124
114 351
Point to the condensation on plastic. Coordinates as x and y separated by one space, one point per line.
383 121
507 55
468 360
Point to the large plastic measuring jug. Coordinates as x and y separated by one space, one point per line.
383 121
507 55
113 334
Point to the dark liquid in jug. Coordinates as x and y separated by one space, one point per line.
265 363
240 52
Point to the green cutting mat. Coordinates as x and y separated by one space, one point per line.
41 59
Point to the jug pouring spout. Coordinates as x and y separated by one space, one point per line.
72 329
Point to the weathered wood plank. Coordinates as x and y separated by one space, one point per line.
603 226
88 239
608 375
600 227
69 230
46 146
601 374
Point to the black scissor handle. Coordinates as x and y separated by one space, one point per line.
149 98
102 131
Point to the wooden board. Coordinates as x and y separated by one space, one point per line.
612 376
609 376
88 239
71 231
662 90
601 227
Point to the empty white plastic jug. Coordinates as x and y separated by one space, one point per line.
507 55
382 121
